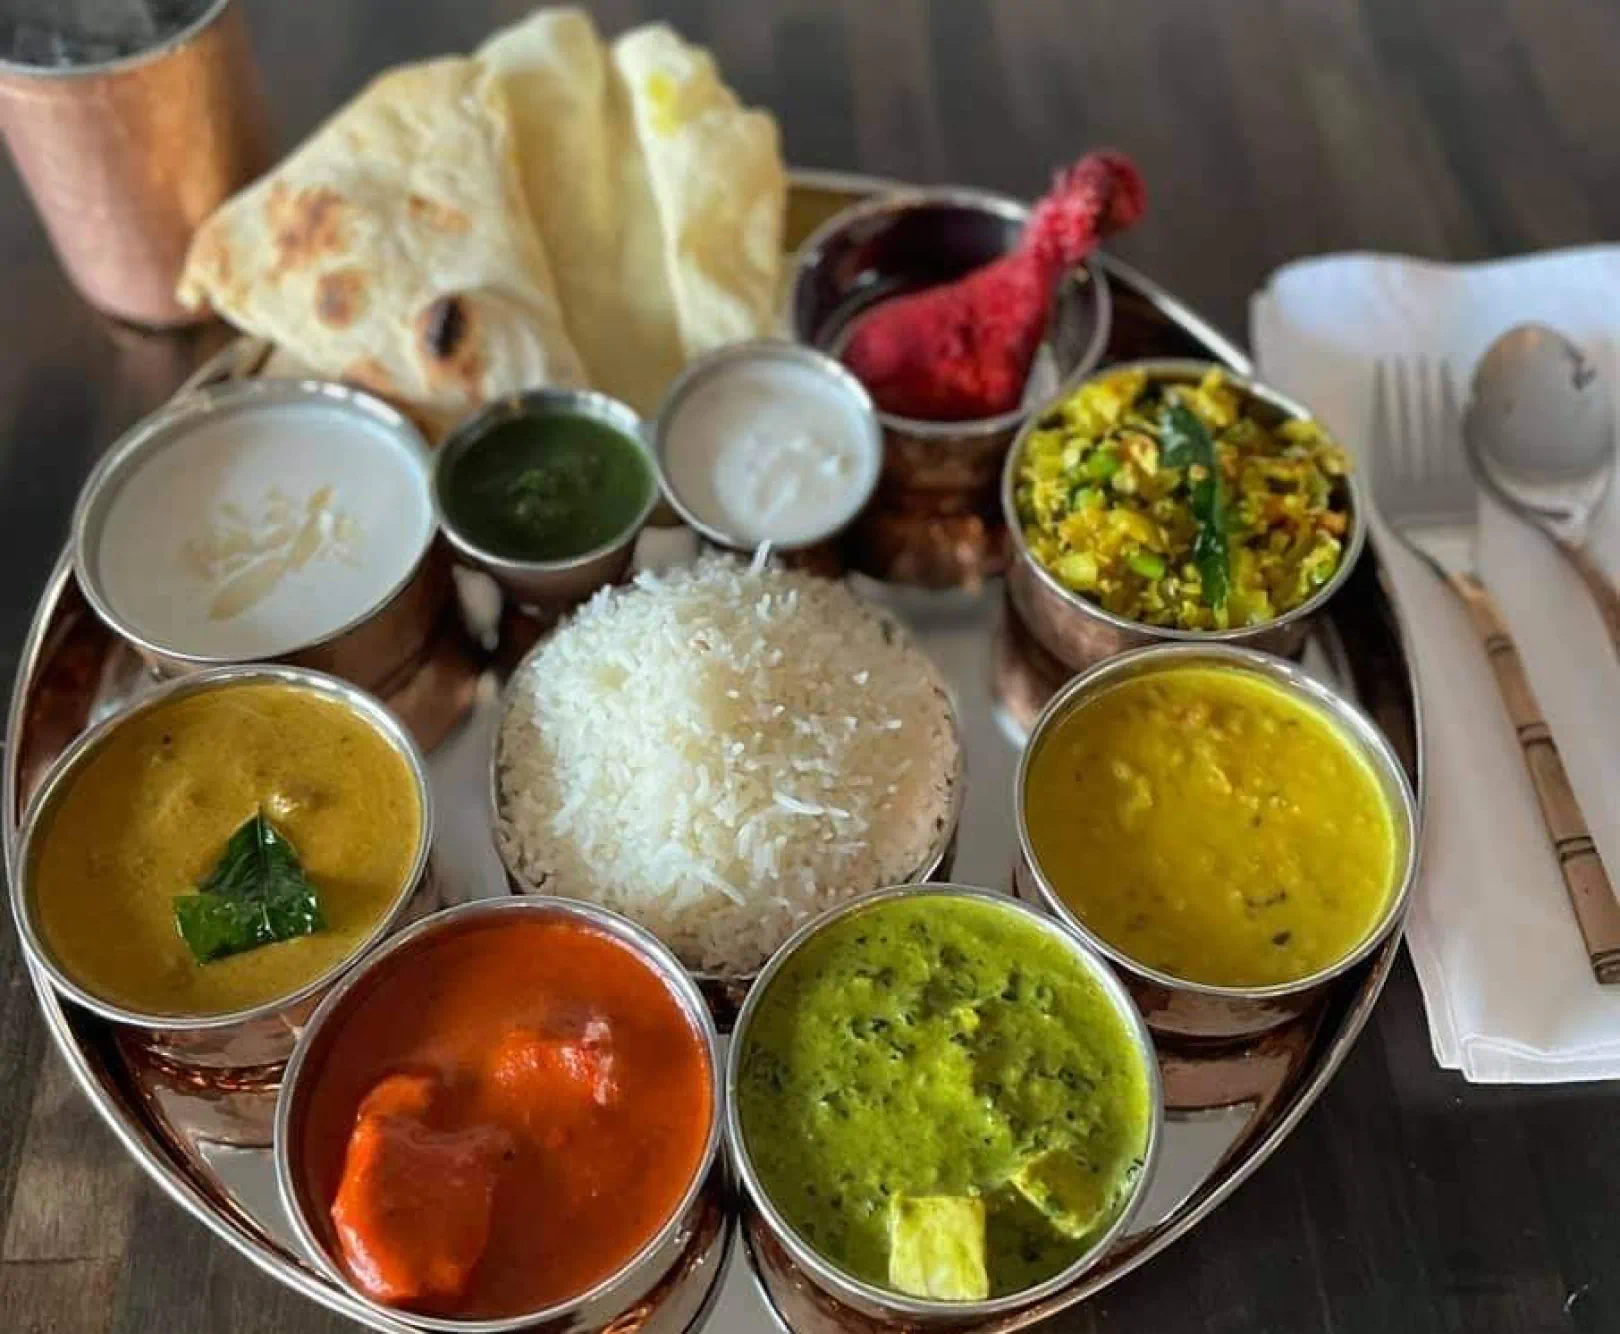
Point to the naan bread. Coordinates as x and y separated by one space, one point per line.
395 249
718 182
551 212
591 200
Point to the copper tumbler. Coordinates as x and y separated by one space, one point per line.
130 121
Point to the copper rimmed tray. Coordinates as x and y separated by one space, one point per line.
1228 1108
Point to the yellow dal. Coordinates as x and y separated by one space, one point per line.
148 816
1207 824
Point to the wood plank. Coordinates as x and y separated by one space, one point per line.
58 1296
970 90
22 1045
813 88
896 118
177 1279
1473 86
76 1188
1568 48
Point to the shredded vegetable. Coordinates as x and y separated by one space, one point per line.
1177 505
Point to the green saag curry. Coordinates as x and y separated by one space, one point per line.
931 1062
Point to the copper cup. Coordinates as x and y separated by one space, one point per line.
934 521
125 158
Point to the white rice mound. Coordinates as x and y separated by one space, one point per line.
721 752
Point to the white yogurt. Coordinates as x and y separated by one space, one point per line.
771 449
263 529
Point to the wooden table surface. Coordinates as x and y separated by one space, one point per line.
1267 129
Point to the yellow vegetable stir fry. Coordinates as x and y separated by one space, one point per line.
1118 500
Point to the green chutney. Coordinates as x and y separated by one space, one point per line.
547 487
941 1047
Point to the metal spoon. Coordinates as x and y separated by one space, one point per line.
1540 435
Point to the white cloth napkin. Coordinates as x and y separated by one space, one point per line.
1510 997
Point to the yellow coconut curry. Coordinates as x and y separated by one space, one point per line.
1212 827
224 849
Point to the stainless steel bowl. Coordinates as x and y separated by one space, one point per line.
262 1035
1173 1005
935 520
726 992
867 1299
374 648
666 1285
724 361
548 587
1079 632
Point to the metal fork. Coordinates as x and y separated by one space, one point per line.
1423 489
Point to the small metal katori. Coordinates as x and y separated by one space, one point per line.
886 1304
376 648
1173 1005
220 1046
547 588
1079 632
670 1280
821 553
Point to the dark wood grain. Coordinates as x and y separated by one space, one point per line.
1407 1203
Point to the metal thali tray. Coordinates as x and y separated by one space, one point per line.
1227 1107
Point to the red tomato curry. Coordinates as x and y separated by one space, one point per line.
502 1118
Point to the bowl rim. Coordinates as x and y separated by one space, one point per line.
180 414
1353 725
1179 370
932 861
846 1285
128 63
640 942
718 362
83 749
808 259
603 408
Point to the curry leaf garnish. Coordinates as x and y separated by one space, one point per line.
256 895
1185 442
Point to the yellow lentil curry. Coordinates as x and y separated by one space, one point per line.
1212 827
1119 502
146 818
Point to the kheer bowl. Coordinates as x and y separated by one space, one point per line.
547 587
260 1037
881 1303
934 520
1176 1006
1079 632
375 646
672 1280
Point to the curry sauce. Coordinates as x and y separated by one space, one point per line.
145 818
1211 826
942 1050
509 1112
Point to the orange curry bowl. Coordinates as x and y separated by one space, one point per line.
508 1119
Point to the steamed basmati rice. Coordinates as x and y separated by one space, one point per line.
720 753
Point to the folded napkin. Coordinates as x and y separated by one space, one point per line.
1509 994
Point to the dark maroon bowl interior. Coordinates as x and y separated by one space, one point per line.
890 253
